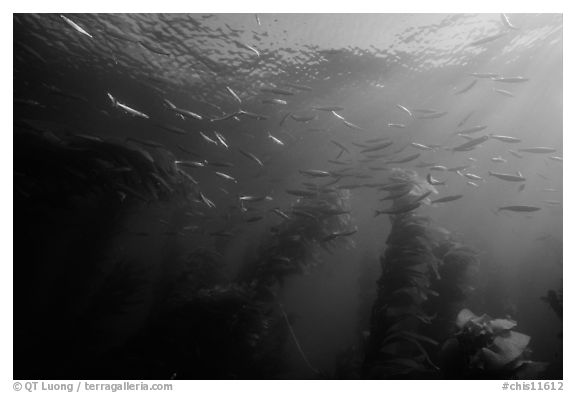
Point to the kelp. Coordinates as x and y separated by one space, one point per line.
293 246
425 275
396 347
58 168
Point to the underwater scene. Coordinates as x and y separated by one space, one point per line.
287 196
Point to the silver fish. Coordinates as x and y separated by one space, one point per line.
75 26
126 108
251 156
467 87
236 97
449 198
504 138
512 79
506 22
507 176
405 110
276 140
226 176
504 92
471 144
519 208
538 150
487 39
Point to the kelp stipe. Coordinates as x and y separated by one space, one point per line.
396 347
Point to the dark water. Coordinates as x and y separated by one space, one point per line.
125 276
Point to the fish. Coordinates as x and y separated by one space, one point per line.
432 115
465 119
405 159
257 19
280 213
406 110
507 176
449 198
328 108
276 91
190 164
297 86
226 176
182 112
551 202
471 183
423 196
467 87
302 119
314 173
440 168
471 130
555 158
275 140
425 110
206 201
172 129
489 75
420 146
488 39
335 235
249 48
434 182
511 79
458 169
251 156
233 94
377 147
396 125
472 176
207 138
471 144
241 113
284 118
401 210
498 159
75 26
519 208
341 146
504 92
221 139
352 126
504 138
538 150
338 115
275 101
126 108
515 154
506 22
254 218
